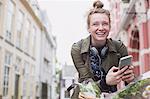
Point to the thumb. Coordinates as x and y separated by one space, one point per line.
114 69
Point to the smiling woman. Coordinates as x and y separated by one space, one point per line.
97 56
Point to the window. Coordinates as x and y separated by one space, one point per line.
31 89
47 46
9 22
7 59
7 64
0 55
46 65
6 81
26 66
1 9
27 36
18 64
32 71
37 89
63 83
24 85
25 79
46 62
33 41
19 28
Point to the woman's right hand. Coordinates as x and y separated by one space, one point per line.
114 75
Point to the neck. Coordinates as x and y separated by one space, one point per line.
98 44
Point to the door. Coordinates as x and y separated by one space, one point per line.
16 86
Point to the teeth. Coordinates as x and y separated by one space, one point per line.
100 33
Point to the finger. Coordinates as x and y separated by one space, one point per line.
89 97
131 67
119 77
114 68
128 77
81 96
122 70
125 68
128 72
118 81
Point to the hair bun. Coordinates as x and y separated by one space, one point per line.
98 4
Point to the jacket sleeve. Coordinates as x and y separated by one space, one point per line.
80 65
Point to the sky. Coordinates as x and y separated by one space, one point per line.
68 21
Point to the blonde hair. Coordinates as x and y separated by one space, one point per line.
97 8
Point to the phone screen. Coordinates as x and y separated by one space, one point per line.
125 61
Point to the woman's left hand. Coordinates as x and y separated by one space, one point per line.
83 96
128 75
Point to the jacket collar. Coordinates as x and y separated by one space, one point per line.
86 45
111 45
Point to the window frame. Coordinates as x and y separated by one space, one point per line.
7 64
9 20
19 30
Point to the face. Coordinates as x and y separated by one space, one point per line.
99 26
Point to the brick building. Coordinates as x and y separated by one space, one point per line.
130 22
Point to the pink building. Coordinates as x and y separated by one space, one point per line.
131 24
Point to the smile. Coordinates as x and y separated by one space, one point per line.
100 33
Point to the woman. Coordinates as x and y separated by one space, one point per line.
99 51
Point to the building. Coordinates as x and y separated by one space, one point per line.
130 22
48 57
23 37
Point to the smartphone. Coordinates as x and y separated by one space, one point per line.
125 61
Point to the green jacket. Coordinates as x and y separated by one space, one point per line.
80 57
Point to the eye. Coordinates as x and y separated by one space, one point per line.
105 23
95 24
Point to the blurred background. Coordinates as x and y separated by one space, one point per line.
36 38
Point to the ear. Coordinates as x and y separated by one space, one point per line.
89 30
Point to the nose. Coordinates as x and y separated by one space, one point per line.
100 27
